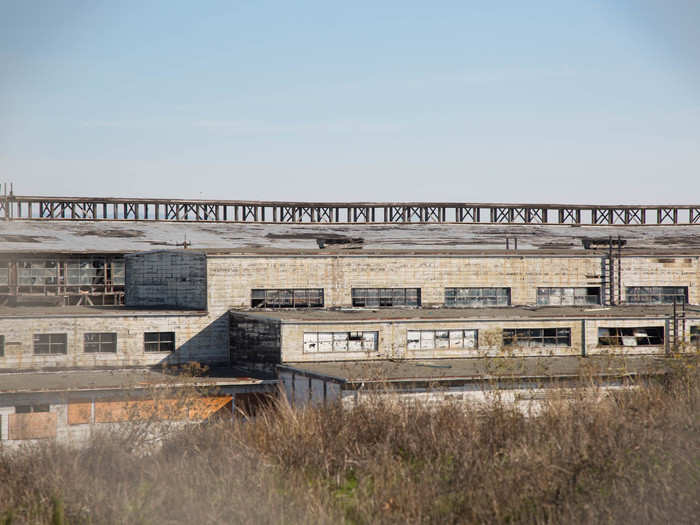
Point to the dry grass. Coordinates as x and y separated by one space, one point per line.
632 458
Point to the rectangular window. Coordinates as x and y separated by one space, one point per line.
695 336
385 297
477 297
28 409
534 337
568 296
49 344
640 336
656 294
159 341
321 342
447 339
101 342
287 298
2 346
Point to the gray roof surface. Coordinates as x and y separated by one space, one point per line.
503 313
480 368
129 236
117 379
91 311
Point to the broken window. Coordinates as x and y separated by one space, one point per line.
441 339
535 337
101 342
568 296
477 297
623 336
49 344
287 298
656 294
159 341
320 342
385 297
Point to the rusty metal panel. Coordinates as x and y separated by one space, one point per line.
119 411
36 425
205 407
79 413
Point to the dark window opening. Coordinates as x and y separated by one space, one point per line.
2 346
287 298
101 342
385 297
477 297
640 336
48 344
28 409
656 294
159 341
568 296
695 336
533 337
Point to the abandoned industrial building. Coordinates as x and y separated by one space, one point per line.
323 300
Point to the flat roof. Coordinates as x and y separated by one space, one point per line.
92 311
46 236
478 369
312 315
120 379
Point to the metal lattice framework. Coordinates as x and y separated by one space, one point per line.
99 209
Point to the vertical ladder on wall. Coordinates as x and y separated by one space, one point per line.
611 278
676 327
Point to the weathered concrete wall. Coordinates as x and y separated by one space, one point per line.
197 338
232 278
393 342
254 340
172 279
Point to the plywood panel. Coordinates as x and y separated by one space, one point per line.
79 413
37 425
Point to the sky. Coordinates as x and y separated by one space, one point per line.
590 102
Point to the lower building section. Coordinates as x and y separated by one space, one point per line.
71 406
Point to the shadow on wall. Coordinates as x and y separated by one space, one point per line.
209 346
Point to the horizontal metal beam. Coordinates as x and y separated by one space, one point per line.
119 209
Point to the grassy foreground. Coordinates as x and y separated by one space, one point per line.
632 458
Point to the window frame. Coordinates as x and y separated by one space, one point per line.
58 340
546 291
634 294
421 341
385 297
287 298
100 343
340 342
472 296
159 342
537 337
628 332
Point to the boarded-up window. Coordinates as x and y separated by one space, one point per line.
321 342
32 425
477 297
447 339
48 344
79 413
536 337
385 297
159 341
624 336
568 296
101 342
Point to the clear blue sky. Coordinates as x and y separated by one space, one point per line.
589 101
